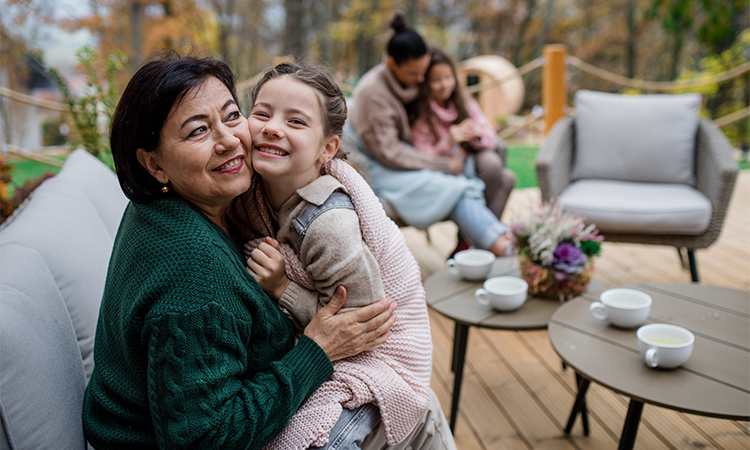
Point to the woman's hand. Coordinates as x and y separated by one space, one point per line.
266 265
352 332
458 161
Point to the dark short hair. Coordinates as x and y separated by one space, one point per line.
405 44
159 85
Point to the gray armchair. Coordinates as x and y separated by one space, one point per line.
646 169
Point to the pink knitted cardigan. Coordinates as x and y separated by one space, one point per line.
396 375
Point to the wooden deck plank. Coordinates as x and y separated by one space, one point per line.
515 393
544 387
511 393
496 431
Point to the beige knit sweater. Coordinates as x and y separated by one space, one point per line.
395 376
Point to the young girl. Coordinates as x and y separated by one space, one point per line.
444 119
296 124
447 122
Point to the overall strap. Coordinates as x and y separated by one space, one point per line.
311 212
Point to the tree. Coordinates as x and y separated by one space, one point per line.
295 32
677 20
141 27
724 21
92 112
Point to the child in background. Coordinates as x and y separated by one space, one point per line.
446 121
296 124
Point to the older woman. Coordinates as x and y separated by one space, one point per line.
190 353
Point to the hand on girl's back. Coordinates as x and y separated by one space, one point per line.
458 160
266 265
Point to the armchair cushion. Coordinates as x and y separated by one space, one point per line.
646 138
100 185
42 378
639 208
70 220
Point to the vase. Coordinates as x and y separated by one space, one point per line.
543 282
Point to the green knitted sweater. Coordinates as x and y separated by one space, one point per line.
189 352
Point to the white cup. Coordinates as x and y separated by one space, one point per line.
503 293
624 308
472 264
664 346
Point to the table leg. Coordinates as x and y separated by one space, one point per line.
630 429
460 340
579 406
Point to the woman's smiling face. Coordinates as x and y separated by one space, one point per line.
203 148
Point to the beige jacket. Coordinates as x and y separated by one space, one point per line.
332 252
380 119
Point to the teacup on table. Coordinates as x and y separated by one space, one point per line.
472 264
503 293
624 308
665 346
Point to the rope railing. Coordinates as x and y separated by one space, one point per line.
523 70
733 117
657 85
23 98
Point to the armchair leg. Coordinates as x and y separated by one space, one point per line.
682 257
693 266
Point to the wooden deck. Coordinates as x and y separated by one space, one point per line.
515 393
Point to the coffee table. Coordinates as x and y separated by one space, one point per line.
454 299
714 382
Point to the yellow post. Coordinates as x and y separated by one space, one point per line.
3 185
554 88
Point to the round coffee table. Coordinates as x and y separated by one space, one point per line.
714 382
454 298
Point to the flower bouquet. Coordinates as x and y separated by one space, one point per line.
555 252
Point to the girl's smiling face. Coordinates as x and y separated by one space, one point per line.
442 83
286 126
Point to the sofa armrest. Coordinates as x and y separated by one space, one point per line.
555 159
716 169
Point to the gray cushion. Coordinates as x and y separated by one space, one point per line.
100 185
639 208
60 222
41 378
648 138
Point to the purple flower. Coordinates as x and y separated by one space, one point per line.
568 258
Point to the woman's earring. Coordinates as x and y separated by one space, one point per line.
164 189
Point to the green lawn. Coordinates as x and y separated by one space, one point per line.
521 160
26 169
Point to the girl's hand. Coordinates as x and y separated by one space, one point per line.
266 265
462 132
474 129
458 161
352 332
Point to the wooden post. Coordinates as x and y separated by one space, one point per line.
3 184
554 87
